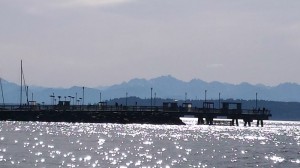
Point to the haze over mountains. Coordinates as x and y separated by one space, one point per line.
163 87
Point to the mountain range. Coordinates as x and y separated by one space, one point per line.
162 87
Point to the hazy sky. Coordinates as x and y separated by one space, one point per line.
103 42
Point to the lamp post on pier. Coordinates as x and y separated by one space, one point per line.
205 95
70 97
82 95
256 101
154 98
219 100
151 97
126 99
76 98
52 97
100 97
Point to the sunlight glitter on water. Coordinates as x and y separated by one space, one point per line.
28 144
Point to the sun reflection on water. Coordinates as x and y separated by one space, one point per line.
28 144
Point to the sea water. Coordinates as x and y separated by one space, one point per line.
41 144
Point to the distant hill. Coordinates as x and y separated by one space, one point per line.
170 87
163 87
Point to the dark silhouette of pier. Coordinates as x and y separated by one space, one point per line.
168 113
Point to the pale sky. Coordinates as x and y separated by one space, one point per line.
103 42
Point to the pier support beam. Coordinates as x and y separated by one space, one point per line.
236 122
261 123
200 121
247 121
209 120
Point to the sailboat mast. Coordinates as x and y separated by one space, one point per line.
2 92
21 84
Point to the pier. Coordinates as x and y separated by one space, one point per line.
168 113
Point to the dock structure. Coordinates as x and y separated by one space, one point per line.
168 113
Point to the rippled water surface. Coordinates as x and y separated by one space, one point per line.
37 144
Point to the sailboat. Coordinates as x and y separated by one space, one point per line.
23 83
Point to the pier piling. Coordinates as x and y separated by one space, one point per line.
248 121
200 121
236 122
209 120
261 123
